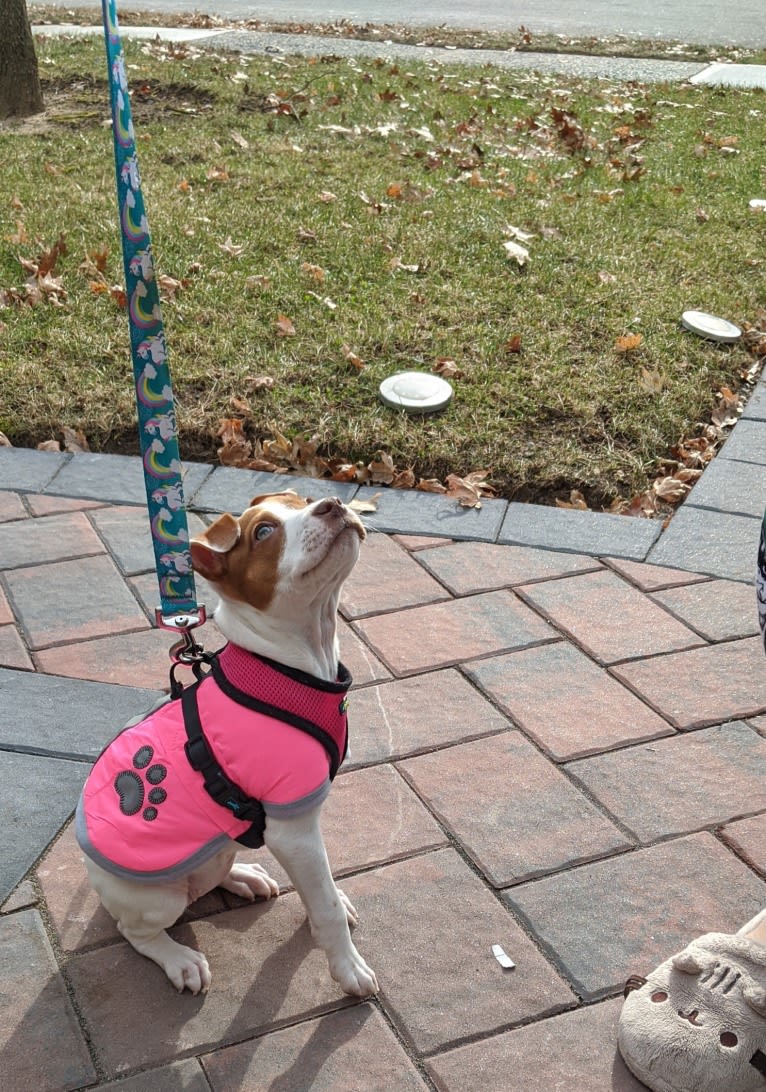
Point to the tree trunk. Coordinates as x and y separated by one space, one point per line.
20 93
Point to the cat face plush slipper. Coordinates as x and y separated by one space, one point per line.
698 1022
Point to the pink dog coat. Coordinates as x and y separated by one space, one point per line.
252 739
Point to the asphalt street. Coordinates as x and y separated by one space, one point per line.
702 22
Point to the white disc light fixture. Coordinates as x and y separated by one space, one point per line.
710 326
415 392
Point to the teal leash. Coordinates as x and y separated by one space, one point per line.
157 429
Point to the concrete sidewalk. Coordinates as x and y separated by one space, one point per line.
556 746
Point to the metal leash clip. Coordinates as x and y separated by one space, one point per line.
186 652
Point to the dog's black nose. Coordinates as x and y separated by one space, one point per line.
327 506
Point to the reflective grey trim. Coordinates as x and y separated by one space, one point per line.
298 807
164 875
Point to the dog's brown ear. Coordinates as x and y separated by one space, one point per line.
210 549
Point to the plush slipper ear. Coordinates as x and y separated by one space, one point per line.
210 549
758 1061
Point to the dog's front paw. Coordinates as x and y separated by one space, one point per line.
353 975
250 881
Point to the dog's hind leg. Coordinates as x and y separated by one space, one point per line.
250 881
143 913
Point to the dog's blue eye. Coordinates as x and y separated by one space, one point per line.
263 530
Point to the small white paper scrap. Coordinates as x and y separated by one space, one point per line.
501 957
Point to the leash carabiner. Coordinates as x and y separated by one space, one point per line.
185 652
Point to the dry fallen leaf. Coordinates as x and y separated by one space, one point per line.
314 271
285 327
260 383
4 441
236 449
404 479
239 406
652 381
465 492
362 506
447 368
74 439
576 501
234 249
238 139
382 470
518 253
49 445
628 342
513 344
431 485
352 358
670 489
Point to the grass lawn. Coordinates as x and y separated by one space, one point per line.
309 216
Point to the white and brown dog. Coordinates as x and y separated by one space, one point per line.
246 755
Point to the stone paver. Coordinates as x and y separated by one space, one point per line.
748 838
428 926
719 610
747 443
606 921
128 659
443 634
266 973
567 1053
13 652
722 771
186 1076
581 532
91 600
68 718
729 485
705 541
513 812
11 508
566 703
41 1045
466 567
115 478
6 614
608 617
77 917
126 532
704 685
652 577
353 1049
51 539
39 795
410 511
29 470
385 578
395 824
410 715
230 490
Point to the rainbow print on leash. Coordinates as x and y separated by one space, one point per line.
154 392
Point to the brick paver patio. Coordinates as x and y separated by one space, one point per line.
557 750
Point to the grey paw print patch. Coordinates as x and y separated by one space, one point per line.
141 785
